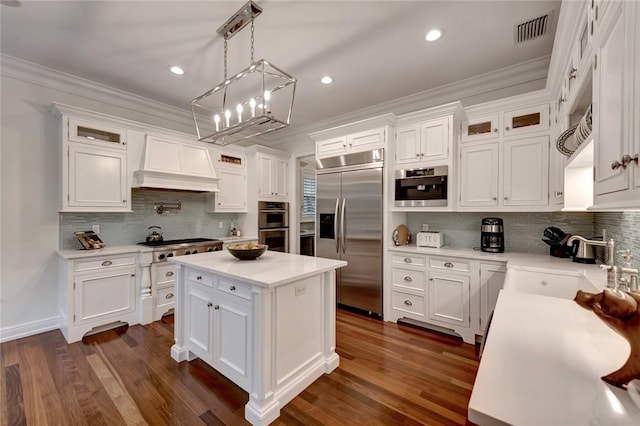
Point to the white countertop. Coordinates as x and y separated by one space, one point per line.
227 240
542 365
271 269
69 254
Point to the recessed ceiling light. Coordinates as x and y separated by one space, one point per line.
326 80
434 34
176 70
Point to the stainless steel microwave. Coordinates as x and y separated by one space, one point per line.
425 187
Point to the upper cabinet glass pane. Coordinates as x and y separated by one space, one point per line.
97 134
526 120
479 128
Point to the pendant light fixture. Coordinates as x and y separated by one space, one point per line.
252 102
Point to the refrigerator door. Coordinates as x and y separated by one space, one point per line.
361 213
328 194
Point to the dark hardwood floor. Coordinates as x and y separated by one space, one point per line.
388 375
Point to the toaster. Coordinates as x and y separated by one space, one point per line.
429 239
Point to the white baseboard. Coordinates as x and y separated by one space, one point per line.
28 329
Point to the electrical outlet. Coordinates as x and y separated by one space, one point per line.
425 227
221 224
95 228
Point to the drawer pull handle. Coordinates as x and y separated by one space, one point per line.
107 263
169 296
169 274
448 265
232 288
199 277
408 279
407 260
408 303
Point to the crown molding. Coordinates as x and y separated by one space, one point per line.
358 126
514 75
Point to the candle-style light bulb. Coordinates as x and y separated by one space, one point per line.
216 118
239 110
267 98
227 116
252 104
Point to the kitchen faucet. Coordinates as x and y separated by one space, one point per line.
610 245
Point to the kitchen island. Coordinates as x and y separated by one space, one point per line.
266 324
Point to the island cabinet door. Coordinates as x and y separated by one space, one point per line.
449 298
199 321
232 337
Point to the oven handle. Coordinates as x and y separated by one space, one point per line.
273 211
272 229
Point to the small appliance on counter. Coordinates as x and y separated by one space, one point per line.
401 235
492 235
583 252
556 239
430 239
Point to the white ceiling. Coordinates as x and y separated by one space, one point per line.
375 50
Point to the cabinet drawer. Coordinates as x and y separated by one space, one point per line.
449 264
165 274
409 259
409 303
234 288
200 278
409 278
98 263
165 297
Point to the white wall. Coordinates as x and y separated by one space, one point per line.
30 173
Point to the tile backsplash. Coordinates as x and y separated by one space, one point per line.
624 228
129 228
523 232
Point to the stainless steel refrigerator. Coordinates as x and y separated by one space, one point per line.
349 222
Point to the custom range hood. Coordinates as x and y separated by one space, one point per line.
173 165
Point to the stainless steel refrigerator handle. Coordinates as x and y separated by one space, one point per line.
335 225
343 230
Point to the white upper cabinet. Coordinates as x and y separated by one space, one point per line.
526 172
331 147
481 128
479 175
97 134
526 120
424 142
231 167
351 143
273 173
408 144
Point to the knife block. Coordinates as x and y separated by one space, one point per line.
620 310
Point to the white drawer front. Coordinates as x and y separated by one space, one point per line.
103 262
449 264
165 297
409 259
234 288
200 278
409 278
165 274
409 303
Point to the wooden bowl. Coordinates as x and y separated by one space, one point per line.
248 253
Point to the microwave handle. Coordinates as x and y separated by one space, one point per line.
343 229
336 235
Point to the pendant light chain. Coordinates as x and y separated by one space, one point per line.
252 40
225 57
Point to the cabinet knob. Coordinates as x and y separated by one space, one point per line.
216 307
209 304
232 288
573 73
627 159
495 198
124 201
408 303
495 130
430 279
506 198
417 154
615 165
507 128
408 279
421 154
107 263
407 260
199 277
169 274
169 296
448 265
559 193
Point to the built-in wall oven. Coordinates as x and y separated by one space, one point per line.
273 225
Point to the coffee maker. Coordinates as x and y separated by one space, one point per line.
492 235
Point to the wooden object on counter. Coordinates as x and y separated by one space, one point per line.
401 235
620 310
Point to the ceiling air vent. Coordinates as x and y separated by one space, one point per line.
532 29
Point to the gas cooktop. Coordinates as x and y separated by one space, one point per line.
177 242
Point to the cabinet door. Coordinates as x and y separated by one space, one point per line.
233 191
556 174
408 144
97 179
364 141
232 332
265 185
635 136
435 137
280 178
331 147
491 282
481 128
526 120
609 107
97 134
104 296
449 298
526 172
199 321
479 175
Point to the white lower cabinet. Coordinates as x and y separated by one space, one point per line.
449 298
218 325
491 282
96 291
